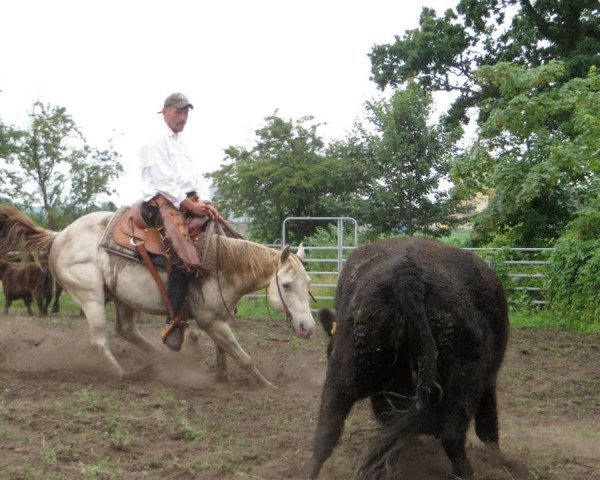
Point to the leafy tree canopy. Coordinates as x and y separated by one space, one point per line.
51 165
407 159
538 151
444 52
288 173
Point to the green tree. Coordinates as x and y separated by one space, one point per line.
444 52
407 159
287 173
538 150
51 165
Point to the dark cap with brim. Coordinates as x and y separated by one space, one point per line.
177 100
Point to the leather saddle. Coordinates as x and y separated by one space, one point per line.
183 234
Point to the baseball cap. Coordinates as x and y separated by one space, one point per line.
177 100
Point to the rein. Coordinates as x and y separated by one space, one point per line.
217 273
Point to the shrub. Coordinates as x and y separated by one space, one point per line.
574 281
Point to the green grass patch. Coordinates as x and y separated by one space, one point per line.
546 318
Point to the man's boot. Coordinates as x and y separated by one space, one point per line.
173 333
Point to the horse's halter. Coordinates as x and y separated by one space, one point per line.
288 314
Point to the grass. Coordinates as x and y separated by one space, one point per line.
546 318
250 307
520 316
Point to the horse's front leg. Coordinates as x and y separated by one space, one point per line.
226 342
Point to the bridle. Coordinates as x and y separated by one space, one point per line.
288 314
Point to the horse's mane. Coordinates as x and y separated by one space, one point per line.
243 256
19 232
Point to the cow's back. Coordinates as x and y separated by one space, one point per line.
457 287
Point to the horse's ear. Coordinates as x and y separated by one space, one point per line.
300 252
285 254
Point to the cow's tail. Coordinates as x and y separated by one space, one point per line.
401 425
19 233
390 439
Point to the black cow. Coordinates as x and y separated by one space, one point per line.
421 329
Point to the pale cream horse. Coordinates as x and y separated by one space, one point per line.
89 273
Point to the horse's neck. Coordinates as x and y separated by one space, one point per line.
249 264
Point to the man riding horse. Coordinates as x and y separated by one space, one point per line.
170 179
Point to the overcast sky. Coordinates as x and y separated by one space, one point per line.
111 63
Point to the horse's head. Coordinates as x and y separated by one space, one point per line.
288 292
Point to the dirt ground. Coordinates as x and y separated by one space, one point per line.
63 417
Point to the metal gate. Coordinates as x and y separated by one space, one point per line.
323 263
525 267
324 279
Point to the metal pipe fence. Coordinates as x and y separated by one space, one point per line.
524 276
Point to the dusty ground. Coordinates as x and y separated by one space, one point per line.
62 417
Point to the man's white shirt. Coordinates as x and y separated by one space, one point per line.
167 168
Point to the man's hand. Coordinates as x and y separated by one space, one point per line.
200 208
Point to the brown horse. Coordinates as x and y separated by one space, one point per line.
28 281
89 273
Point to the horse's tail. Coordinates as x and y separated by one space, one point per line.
399 429
18 232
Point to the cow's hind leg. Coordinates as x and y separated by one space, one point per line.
486 418
221 364
126 327
454 434
40 299
57 291
27 300
335 407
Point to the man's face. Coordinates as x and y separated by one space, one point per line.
176 118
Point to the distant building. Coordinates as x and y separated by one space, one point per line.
476 205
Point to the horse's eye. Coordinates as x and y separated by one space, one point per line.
287 286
